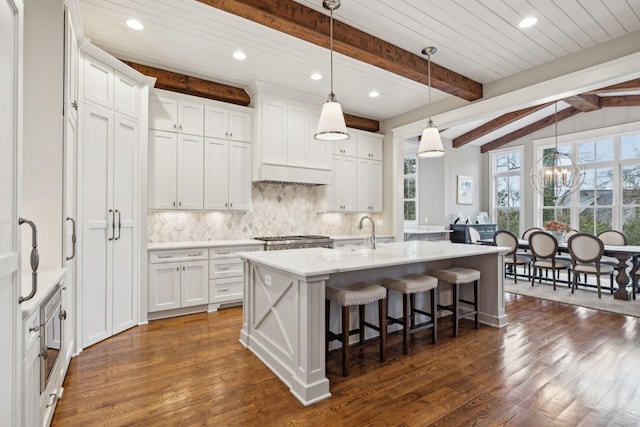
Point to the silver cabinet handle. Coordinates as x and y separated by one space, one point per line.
119 224
54 400
34 260
196 254
223 268
74 105
34 329
113 225
73 238
224 290
165 256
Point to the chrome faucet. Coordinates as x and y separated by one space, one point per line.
373 229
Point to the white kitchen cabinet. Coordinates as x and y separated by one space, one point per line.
178 279
98 82
31 370
227 177
347 147
226 275
341 192
176 171
369 186
227 123
369 146
172 114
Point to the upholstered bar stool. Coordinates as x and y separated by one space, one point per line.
359 294
409 286
457 276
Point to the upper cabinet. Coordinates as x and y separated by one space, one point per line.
369 146
175 115
228 123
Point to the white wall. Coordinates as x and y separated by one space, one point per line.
43 143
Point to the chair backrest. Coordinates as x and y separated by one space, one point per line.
474 235
585 247
506 238
613 237
528 232
570 233
543 245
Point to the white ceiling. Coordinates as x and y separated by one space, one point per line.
479 39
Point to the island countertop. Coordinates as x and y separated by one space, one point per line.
317 261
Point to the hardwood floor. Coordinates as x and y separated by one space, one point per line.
553 364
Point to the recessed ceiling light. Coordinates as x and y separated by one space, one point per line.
316 76
374 94
239 55
134 24
527 22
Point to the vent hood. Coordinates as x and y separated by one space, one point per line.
271 173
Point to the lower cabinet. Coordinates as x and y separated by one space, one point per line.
31 370
358 243
226 275
178 279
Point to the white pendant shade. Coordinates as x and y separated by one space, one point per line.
331 126
430 143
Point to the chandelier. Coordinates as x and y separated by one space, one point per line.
556 175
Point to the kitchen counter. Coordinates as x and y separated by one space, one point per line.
47 279
284 298
202 244
360 236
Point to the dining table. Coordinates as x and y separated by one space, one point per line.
628 257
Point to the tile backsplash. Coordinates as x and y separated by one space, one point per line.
278 209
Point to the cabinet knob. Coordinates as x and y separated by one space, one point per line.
230 205
180 127
74 104
179 203
174 125
231 134
174 203
177 268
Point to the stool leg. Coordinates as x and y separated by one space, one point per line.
475 303
361 320
345 340
434 315
412 312
405 323
455 309
382 319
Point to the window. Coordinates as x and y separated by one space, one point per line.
410 190
507 172
609 197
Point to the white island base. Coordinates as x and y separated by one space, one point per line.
284 299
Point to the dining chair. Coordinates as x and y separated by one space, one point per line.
613 238
544 248
512 258
525 236
586 251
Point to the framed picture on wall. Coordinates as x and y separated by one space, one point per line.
465 190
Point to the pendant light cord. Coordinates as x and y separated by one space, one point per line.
332 95
429 83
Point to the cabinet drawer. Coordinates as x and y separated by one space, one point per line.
181 255
225 267
31 331
226 252
226 289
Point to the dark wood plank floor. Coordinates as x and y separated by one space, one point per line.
553 364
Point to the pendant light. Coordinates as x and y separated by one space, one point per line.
331 126
430 141
556 175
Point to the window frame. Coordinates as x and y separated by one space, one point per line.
416 199
494 178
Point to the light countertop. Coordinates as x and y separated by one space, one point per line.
317 261
47 279
203 244
359 236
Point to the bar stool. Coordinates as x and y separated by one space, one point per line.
409 286
457 276
359 294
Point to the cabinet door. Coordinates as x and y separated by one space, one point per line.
31 388
274 132
164 286
97 156
363 185
376 190
98 82
190 172
297 136
240 126
125 206
163 113
348 183
163 170
126 96
240 176
194 283
190 118
369 147
71 69
348 147
319 151
216 122
216 174
334 189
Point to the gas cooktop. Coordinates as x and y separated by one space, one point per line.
291 238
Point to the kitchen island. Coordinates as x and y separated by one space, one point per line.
284 298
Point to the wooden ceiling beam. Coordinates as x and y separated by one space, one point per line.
522 132
307 24
495 124
190 85
361 123
631 85
620 101
584 102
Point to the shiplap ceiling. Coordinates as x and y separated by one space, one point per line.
479 39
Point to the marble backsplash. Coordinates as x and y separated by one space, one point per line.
278 209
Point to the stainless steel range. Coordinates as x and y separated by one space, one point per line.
276 243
